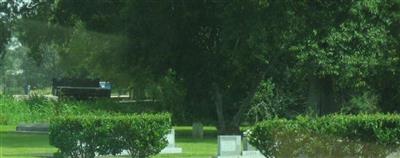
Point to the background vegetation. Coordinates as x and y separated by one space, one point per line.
208 59
221 62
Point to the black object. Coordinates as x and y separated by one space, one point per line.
81 89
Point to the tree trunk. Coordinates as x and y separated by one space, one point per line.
130 93
224 127
320 96
219 108
233 125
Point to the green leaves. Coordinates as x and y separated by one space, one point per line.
344 40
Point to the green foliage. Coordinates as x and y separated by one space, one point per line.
268 102
13 10
84 136
171 95
365 103
340 45
330 136
346 38
4 37
19 68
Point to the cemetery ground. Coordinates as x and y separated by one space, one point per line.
39 109
383 129
27 145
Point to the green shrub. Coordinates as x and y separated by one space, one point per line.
268 102
84 136
329 136
366 103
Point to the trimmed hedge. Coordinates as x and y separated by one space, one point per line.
88 136
329 136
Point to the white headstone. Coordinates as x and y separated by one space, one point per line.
171 148
171 138
229 146
33 128
252 154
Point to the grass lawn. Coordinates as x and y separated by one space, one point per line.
14 144
21 145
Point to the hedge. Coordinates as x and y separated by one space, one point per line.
88 136
329 136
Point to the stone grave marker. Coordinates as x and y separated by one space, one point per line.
229 146
33 128
250 151
197 130
171 147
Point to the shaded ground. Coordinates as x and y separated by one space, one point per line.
23 145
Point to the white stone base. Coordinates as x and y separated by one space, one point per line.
394 155
252 154
228 156
171 150
167 150
123 153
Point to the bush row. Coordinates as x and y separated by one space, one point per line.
87 136
330 136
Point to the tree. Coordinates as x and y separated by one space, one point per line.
212 48
11 13
5 33
333 48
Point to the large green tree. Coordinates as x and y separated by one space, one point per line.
332 50
12 12
340 44
212 46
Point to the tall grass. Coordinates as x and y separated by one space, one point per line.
36 109
39 109
13 110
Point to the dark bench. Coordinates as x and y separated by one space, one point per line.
79 88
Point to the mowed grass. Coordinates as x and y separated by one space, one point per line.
23 145
13 144
194 148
